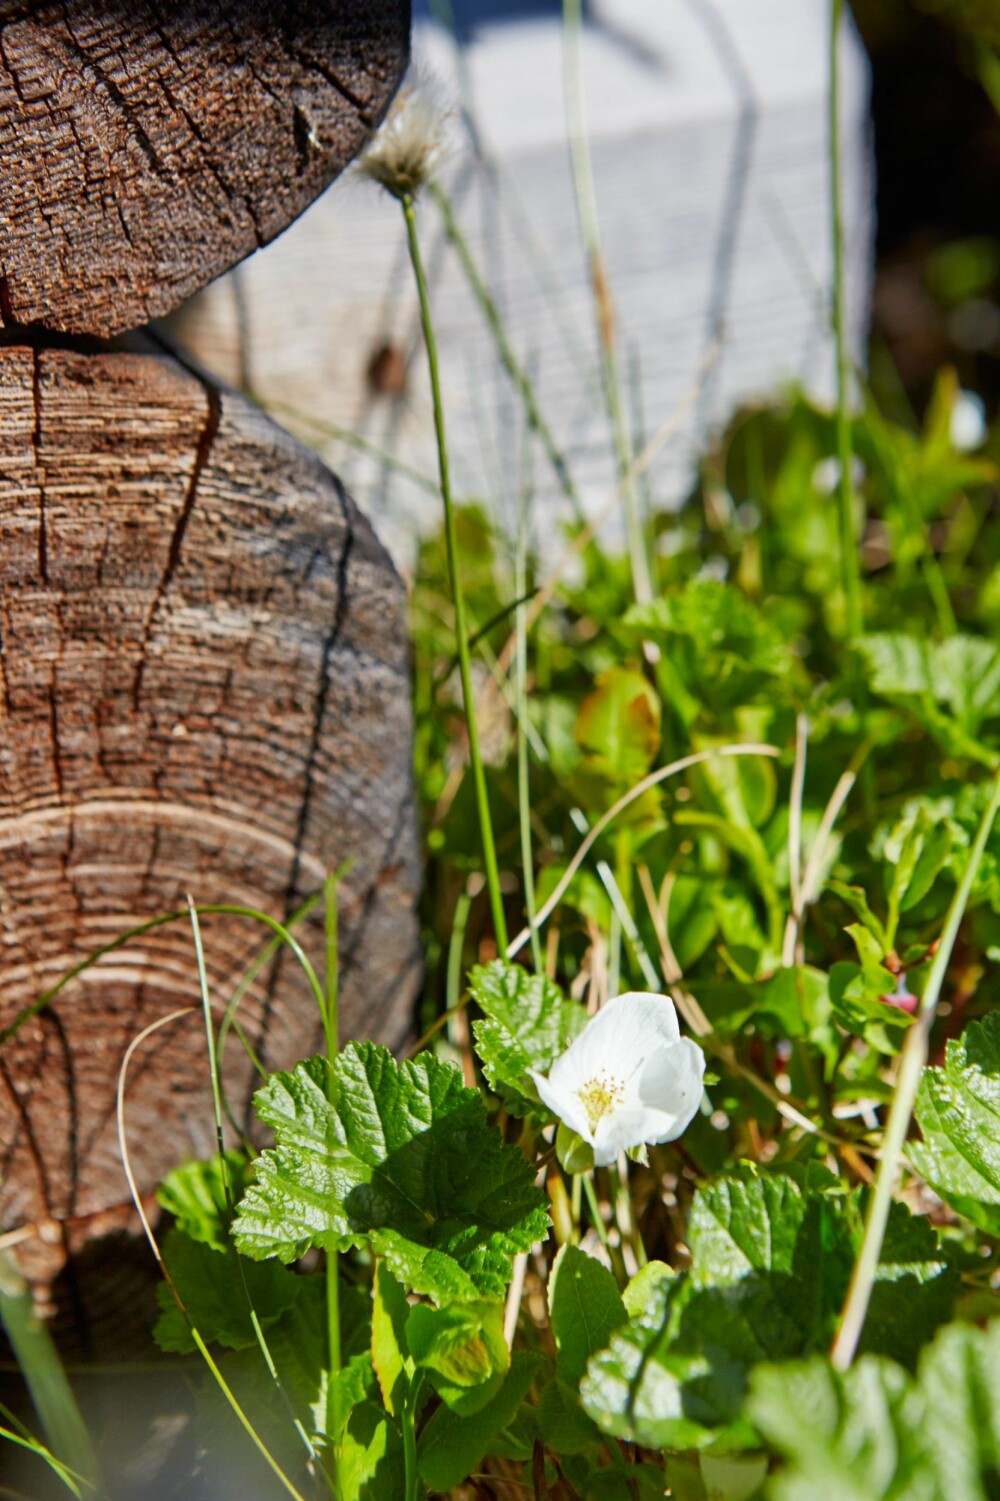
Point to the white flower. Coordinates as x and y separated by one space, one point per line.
968 422
630 1077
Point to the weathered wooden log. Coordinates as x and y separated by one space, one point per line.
203 688
145 147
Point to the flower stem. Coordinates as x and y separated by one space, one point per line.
850 566
509 360
521 688
455 581
587 1179
911 1066
408 1419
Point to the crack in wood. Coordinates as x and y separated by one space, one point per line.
114 92
206 439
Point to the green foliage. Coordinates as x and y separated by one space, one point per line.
396 1156
527 1022
218 1292
200 1196
770 1266
451 1446
875 1433
958 1110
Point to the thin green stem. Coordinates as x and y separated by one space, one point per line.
586 203
509 360
849 559
455 581
521 692
597 1218
408 1419
46 998
911 1066
255 1438
456 950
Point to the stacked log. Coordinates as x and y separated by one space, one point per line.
203 674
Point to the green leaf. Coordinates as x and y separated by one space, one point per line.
370 1458
642 1287
619 726
958 1111
195 1194
962 676
398 1156
462 1347
959 1377
562 1420
219 1295
390 1355
451 1446
856 994
856 898
585 1308
575 1155
771 1264
718 650
527 1023
915 850
898 665
967 677
875 1434
856 1437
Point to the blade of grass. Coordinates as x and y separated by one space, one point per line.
130 1051
181 913
331 1029
586 203
455 578
60 1417
911 1066
521 697
27 1441
654 777
849 550
217 1103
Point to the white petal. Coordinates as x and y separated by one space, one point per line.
564 1103
624 1033
671 1088
620 1129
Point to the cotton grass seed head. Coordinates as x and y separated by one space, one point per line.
629 1078
408 148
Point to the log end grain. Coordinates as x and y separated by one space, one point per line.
203 689
145 148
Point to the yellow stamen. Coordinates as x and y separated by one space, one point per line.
599 1096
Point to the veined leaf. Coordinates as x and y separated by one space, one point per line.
875 1434
219 1295
856 1437
585 1308
771 1263
958 1110
451 1446
390 1357
528 1023
400 1156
